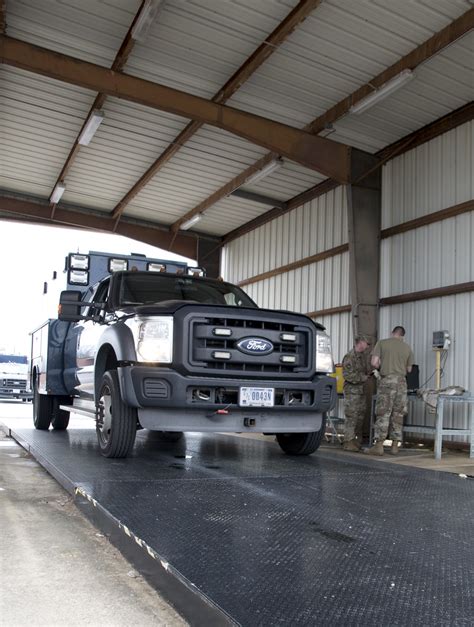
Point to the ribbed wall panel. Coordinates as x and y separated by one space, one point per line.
434 176
312 228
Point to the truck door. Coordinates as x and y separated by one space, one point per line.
88 339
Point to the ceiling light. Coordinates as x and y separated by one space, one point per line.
95 120
145 20
189 223
58 191
265 171
382 92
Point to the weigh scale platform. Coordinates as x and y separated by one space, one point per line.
232 531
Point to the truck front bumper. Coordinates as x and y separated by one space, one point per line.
168 401
13 393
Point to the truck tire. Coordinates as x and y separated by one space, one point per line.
42 408
301 443
60 420
116 424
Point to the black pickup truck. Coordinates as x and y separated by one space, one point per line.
174 353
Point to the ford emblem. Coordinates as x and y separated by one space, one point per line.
255 346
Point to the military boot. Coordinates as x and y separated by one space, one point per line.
376 449
394 449
352 446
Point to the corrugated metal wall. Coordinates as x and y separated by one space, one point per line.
433 176
312 228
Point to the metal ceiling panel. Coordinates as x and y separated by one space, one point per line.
340 47
40 119
89 30
197 45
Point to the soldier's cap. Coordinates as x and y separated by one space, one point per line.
362 338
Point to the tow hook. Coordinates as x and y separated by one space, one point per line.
250 422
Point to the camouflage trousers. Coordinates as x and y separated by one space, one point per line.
390 408
354 411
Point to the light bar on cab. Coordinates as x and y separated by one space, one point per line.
155 267
78 262
117 265
78 277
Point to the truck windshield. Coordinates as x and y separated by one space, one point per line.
13 359
142 288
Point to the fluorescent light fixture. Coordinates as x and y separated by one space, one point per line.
265 171
95 120
58 191
189 223
382 92
145 20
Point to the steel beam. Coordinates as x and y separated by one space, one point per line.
260 198
324 155
259 56
38 211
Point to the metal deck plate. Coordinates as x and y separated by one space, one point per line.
275 540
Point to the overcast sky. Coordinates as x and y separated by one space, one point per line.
29 255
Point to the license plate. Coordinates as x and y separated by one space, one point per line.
16 391
257 397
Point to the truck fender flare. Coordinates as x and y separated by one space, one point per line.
119 340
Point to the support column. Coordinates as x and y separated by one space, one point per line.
364 202
208 255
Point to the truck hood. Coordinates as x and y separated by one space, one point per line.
169 307
20 370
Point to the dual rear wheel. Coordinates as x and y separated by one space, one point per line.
47 412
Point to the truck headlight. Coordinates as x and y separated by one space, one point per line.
324 362
154 339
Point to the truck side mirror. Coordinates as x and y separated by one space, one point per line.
70 305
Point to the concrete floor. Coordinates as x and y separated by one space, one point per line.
55 568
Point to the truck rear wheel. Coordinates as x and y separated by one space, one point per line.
42 408
301 443
60 420
116 425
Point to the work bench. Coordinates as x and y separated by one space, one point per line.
439 430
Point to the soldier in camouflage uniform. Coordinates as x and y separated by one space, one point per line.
394 358
355 369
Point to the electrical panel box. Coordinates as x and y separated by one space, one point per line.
441 340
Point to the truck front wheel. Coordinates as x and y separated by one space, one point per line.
42 408
301 443
116 422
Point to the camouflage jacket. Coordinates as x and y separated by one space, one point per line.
355 369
